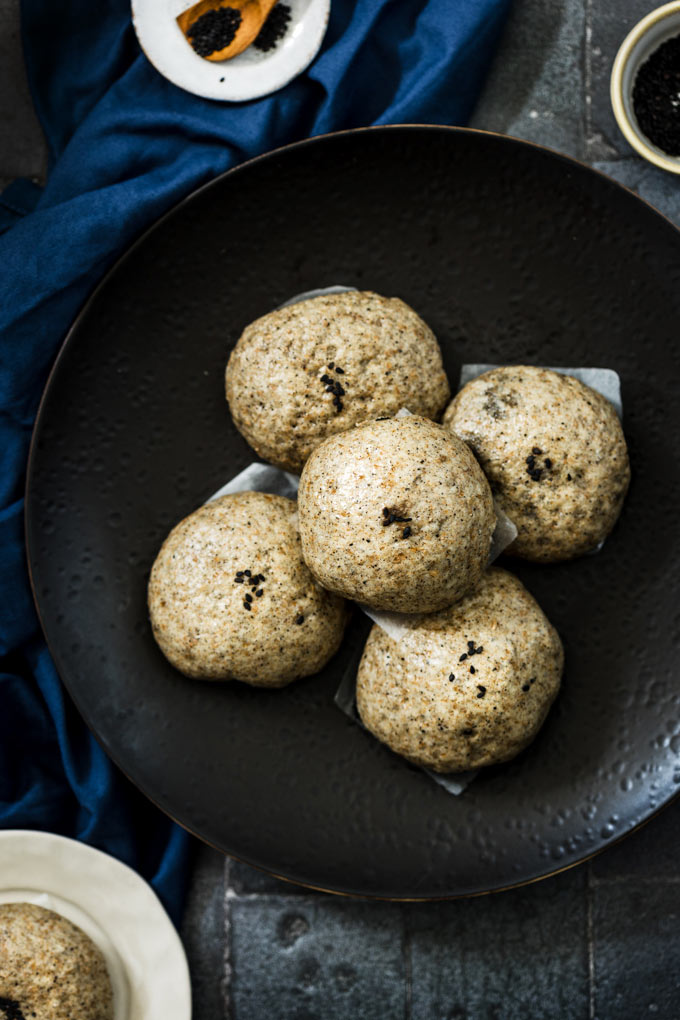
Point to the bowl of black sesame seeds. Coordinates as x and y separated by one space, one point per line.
645 87
287 43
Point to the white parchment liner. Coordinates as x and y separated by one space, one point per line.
605 380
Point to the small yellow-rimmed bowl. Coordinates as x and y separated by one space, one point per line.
639 44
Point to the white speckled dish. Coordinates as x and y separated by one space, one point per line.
114 906
249 75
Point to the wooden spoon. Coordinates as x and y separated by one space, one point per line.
253 13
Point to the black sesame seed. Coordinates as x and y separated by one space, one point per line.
341 371
525 687
214 30
238 580
468 733
482 690
568 478
536 474
463 657
246 605
451 677
472 670
531 460
299 620
548 462
239 573
11 1010
247 573
532 680
331 365
326 379
330 389
274 28
221 79
480 650
536 451
339 390
249 598
258 593
655 96
406 532
392 518
471 647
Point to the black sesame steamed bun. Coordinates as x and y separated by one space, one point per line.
316 368
397 514
554 452
465 687
230 597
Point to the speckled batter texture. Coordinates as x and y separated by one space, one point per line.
396 514
313 369
554 452
230 597
49 968
465 687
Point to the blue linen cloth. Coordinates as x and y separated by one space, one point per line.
124 146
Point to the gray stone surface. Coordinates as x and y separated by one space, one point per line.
244 879
23 152
204 936
316 958
511 956
636 951
535 88
607 26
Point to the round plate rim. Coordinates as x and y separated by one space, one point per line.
109 868
231 93
519 143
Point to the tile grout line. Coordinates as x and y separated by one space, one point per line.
228 969
587 78
408 966
640 879
589 938
310 897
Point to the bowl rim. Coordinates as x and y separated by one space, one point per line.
632 135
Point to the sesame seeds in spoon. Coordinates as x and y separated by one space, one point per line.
221 29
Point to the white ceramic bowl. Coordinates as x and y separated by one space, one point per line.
249 75
658 26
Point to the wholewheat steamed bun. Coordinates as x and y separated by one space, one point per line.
396 514
555 455
49 968
316 368
230 597
465 687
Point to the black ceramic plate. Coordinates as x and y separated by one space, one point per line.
512 254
